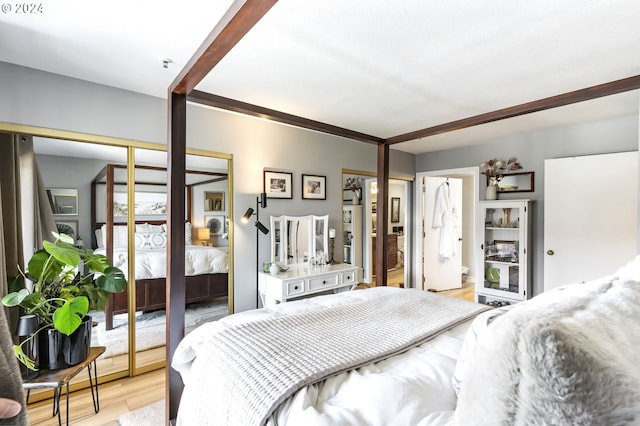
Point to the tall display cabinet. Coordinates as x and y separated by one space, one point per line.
352 235
503 269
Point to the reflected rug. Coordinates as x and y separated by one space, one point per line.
151 415
150 327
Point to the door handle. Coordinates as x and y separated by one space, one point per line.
551 252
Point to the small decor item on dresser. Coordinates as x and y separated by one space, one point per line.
494 169
274 268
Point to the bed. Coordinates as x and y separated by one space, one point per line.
206 268
403 356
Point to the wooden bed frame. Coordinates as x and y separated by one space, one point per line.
151 293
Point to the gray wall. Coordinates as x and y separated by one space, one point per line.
43 99
531 149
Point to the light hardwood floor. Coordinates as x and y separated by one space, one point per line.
128 394
116 398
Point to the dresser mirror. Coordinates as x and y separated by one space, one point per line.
295 238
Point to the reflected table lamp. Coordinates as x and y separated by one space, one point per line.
203 235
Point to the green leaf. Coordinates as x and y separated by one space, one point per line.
16 284
113 280
63 252
96 262
23 358
15 298
36 264
68 318
64 238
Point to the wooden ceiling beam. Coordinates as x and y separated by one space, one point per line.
235 24
593 92
228 104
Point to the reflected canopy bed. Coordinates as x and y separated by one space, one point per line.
206 268
242 16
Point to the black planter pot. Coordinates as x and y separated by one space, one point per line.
57 350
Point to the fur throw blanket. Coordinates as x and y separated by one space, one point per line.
570 356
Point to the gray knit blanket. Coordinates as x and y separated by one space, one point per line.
252 368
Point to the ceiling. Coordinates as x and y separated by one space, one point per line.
377 67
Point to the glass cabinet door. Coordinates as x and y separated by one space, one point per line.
504 246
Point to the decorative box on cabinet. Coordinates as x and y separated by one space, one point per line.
303 281
352 235
503 257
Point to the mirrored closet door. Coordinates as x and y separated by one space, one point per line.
89 187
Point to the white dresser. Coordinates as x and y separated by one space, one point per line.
297 282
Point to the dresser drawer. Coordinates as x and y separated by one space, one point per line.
349 277
328 281
294 287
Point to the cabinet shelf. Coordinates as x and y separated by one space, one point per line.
493 228
501 262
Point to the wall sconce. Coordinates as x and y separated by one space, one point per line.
203 235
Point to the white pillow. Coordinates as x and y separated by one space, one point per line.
147 228
151 240
141 240
187 233
120 239
99 238
478 326
156 240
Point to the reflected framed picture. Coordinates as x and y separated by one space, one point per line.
213 201
69 227
215 224
63 201
278 184
395 209
314 187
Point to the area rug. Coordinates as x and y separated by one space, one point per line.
150 327
151 415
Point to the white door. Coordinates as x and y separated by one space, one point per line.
442 239
590 216
368 197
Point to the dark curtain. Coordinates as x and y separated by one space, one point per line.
26 217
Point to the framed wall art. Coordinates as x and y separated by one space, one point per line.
314 187
213 201
395 209
69 227
215 223
278 184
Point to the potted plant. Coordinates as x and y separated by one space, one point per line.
493 170
68 282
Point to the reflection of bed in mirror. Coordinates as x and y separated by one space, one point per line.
206 268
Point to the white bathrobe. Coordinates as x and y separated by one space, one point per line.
445 217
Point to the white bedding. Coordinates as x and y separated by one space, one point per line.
152 263
413 387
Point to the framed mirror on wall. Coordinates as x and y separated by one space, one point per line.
516 182
63 201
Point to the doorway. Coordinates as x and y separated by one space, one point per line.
359 226
425 200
